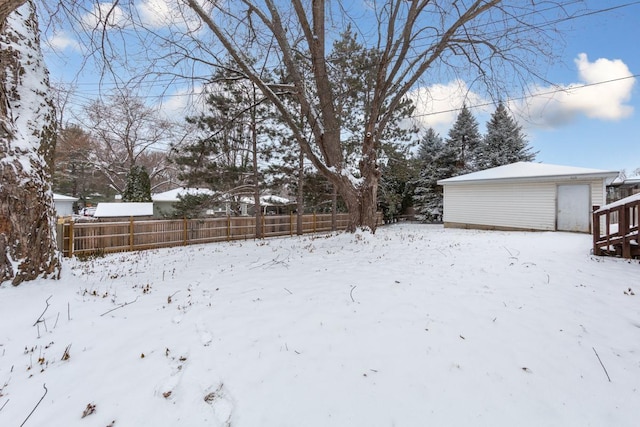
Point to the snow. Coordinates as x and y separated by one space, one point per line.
110 210
173 195
621 202
528 170
63 198
28 103
413 326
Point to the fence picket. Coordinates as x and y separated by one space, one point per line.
84 238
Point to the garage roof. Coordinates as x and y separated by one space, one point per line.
529 171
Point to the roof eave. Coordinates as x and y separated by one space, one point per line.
576 177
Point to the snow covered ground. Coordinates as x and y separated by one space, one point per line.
413 326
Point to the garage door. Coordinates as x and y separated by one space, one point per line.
574 208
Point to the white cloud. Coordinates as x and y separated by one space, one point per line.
112 14
182 102
438 105
590 97
61 41
166 13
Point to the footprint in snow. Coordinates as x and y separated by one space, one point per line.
205 335
177 360
221 403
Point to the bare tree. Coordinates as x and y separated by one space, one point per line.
412 38
127 133
27 141
492 43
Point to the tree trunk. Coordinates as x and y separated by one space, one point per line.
300 196
28 248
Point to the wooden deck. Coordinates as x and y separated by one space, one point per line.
615 229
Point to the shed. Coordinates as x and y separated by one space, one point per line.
63 204
525 196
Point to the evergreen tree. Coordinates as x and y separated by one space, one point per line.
231 141
138 186
465 140
395 186
192 205
504 142
436 160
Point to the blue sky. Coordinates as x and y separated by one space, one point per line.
604 143
596 126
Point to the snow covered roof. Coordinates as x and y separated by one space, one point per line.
172 195
110 210
529 171
267 200
63 198
632 198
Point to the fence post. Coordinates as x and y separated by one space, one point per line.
291 223
228 228
71 239
314 222
185 231
131 238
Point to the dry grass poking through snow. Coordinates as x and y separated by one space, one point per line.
412 326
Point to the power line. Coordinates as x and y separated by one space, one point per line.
551 92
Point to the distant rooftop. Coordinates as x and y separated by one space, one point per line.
124 209
172 195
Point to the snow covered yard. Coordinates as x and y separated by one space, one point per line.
413 326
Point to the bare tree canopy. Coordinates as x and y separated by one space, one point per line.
496 45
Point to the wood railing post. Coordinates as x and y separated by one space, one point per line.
623 229
228 228
595 231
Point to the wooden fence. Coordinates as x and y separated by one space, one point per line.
88 238
615 229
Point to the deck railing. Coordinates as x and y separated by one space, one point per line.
615 229
88 238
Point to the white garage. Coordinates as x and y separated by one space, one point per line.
525 196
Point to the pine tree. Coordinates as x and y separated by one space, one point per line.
436 160
465 140
394 188
504 142
138 186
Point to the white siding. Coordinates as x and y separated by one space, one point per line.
598 193
509 204
524 205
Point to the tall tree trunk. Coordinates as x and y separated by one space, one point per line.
28 247
300 196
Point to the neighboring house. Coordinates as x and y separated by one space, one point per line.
270 205
124 210
63 204
621 188
525 196
163 203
